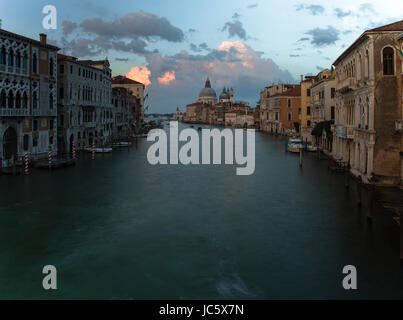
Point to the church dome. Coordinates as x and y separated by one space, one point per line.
208 91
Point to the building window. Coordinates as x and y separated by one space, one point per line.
308 92
51 140
51 66
35 125
332 113
51 101
308 123
289 103
26 142
289 116
61 93
62 69
34 101
51 124
333 92
71 69
34 63
308 111
388 66
35 142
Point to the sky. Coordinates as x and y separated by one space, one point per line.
172 46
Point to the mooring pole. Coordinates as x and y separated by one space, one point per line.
359 191
26 159
300 156
50 158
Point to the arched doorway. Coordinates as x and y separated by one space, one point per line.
10 141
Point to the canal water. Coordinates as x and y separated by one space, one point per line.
119 228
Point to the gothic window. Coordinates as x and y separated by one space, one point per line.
34 101
388 66
3 99
25 100
18 100
10 100
51 101
3 56
51 66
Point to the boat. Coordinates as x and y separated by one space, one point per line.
122 144
311 148
99 150
294 145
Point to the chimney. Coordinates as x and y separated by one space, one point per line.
42 38
302 77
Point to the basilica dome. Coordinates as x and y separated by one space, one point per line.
208 94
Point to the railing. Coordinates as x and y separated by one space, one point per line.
6 112
399 125
350 132
90 124
347 83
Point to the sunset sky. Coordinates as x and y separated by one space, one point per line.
172 46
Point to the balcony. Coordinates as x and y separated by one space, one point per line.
399 125
90 124
348 83
5 112
350 132
42 113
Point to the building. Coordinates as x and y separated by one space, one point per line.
123 102
399 121
270 114
207 94
368 105
28 98
306 108
178 116
137 89
85 110
323 93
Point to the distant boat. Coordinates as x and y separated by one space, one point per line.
120 144
294 145
99 150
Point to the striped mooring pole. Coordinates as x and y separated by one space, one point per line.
50 158
26 161
73 150
93 151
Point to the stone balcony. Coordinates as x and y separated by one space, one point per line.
348 83
6 112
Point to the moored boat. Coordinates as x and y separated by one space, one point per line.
99 150
294 145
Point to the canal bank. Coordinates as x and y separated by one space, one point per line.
118 228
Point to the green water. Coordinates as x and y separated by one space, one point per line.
118 228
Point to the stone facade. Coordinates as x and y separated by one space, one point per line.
85 110
28 98
367 106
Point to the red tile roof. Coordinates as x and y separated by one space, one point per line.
396 26
123 80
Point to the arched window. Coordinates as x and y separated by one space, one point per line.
18 60
25 100
51 66
34 63
34 101
10 100
11 58
3 56
367 63
367 112
18 100
24 63
3 99
388 65
51 101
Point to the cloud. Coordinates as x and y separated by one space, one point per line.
236 16
367 7
251 6
166 78
134 25
294 55
122 59
231 64
303 39
68 27
235 29
341 14
323 37
199 48
319 68
140 74
312 8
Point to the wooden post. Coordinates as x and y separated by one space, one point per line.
50 158
300 157
73 150
26 160
359 202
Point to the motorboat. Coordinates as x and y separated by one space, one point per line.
121 144
294 145
99 150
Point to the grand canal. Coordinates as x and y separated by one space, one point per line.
119 228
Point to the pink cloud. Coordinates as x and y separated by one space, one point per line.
167 78
140 74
